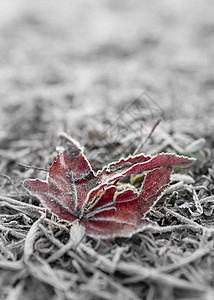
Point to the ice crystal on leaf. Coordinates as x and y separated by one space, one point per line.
73 191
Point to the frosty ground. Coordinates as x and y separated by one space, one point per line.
105 73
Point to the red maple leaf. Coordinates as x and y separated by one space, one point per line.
74 192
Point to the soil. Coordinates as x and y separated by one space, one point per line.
106 72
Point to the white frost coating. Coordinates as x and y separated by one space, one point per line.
70 139
58 201
98 210
74 189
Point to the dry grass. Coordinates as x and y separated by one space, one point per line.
171 260
55 77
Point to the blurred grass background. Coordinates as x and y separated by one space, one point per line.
91 55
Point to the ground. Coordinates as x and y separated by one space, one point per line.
106 72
